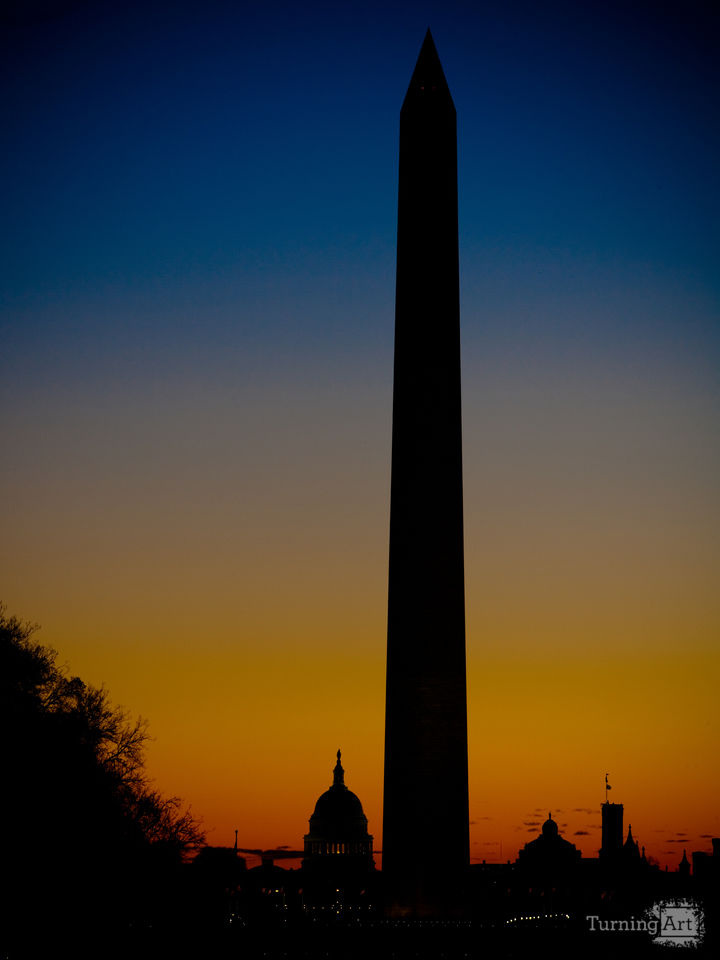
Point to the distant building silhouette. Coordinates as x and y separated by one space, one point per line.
706 866
426 767
549 852
338 867
631 851
612 830
338 828
216 878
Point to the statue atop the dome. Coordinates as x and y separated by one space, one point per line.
339 774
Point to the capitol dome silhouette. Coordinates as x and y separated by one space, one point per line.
338 826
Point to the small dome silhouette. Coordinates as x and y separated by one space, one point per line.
548 851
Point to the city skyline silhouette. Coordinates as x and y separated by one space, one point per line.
197 374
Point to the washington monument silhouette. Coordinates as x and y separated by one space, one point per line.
425 816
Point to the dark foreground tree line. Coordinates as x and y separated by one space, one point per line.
88 843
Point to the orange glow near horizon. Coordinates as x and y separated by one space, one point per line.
248 736
238 601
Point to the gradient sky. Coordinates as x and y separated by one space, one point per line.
196 374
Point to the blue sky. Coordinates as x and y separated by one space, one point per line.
162 148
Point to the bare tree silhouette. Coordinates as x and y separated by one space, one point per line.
86 832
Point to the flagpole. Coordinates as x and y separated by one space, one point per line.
607 787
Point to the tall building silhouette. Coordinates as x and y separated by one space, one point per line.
612 830
425 816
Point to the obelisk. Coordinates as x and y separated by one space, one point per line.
425 817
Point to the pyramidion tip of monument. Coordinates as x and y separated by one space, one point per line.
428 77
